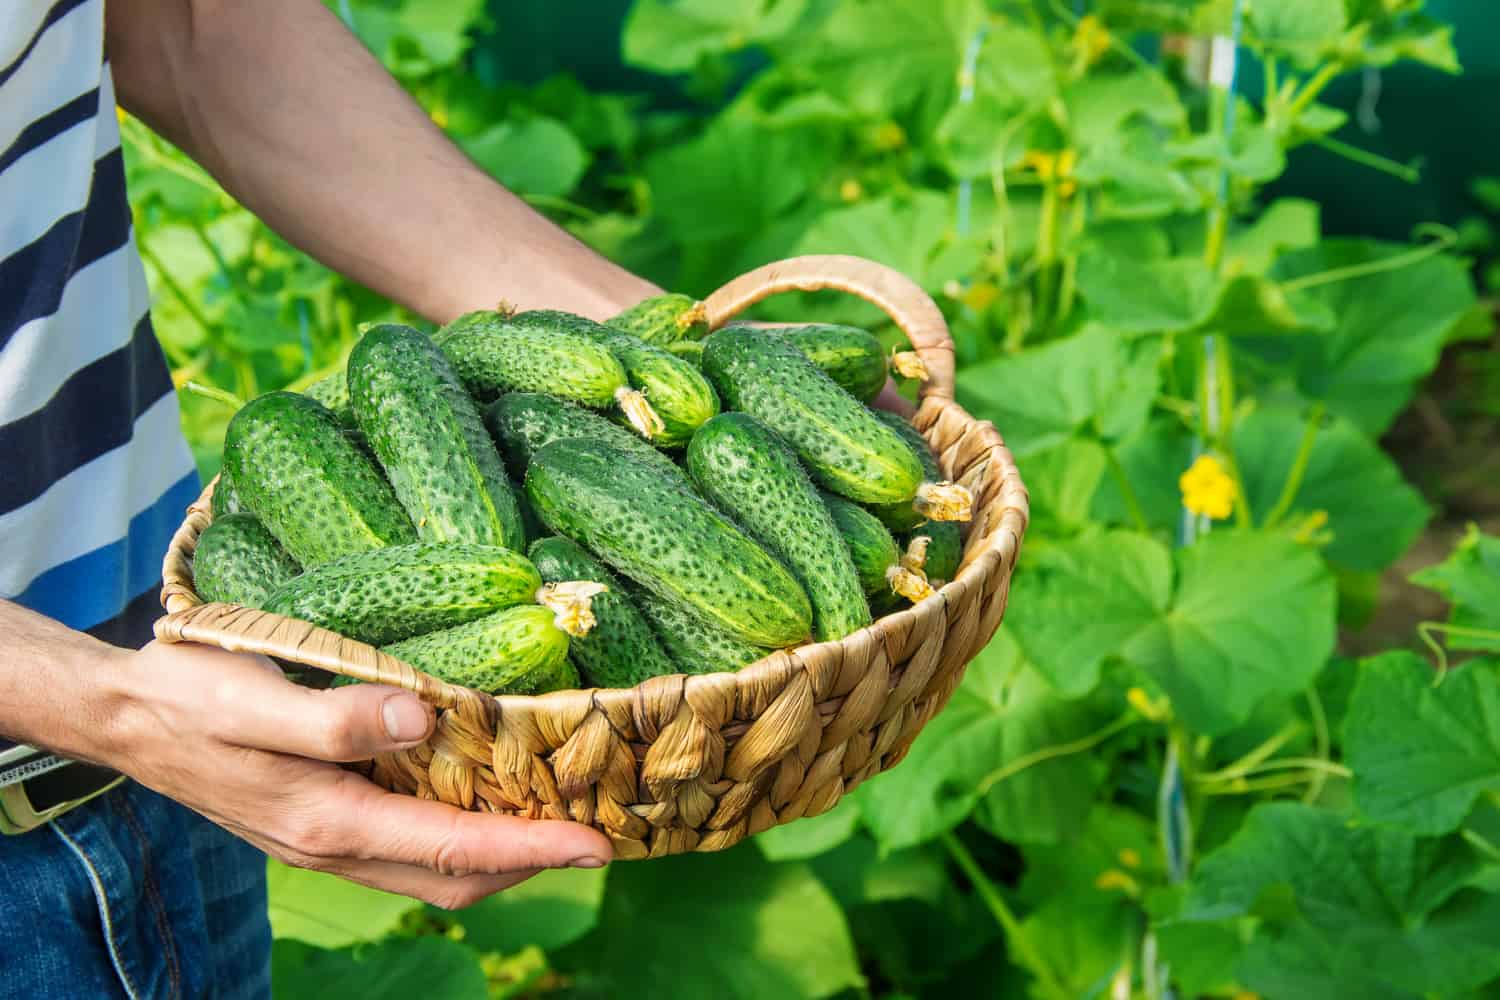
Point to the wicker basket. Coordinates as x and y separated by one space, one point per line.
695 763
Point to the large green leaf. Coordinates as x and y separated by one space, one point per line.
532 156
1001 712
912 233
428 967
1153 459
1286 224
416 37
670 36
809 837
329 911
1062 481
1348 911
1470 578
548 910
1421 752
1100 103
1301 29
1095 380
730 925
1215 650
1373 513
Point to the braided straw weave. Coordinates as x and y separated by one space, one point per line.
695 763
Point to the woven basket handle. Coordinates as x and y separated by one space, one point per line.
892 292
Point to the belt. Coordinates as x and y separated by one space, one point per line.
29 803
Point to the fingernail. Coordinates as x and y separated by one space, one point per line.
405 718
587 861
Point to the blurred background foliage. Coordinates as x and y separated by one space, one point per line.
1296 279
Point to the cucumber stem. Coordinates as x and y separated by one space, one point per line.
909 364
944 501
907 577
639 412
692 317
573 605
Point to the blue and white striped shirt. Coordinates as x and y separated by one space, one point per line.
94 471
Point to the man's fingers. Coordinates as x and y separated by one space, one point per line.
447 891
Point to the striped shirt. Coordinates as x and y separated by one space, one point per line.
94 471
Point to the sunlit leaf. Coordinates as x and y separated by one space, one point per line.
548 910
671 36
391 970
1470 579
531 156
1302 30
329 911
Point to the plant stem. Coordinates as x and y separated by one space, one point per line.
1365 158
1069 290
1310 90
1021 763
188 305
1046 255
218 395
1425 632
1321 742
1132 502
1213 240
1313 765
1446 239
1260 753
1264 785
1271 69
1299 468
1015 935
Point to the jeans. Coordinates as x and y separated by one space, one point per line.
132 895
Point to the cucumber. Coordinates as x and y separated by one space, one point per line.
945 549
620 650
688 350
936 499
666 538
226 499
750 474
303 479
696 647
850 356
492 355
405 590
515 651
238 562
663 319
844 447
428 435
871 546
524 421
333 392
676 389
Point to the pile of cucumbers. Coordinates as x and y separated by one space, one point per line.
525 502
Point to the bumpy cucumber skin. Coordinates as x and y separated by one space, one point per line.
620 650
492 355
675 388
405 590
515 651
661 319
303 479
226 499
522 422
695 646
238 562
904 516
945 549
850 356
333 392
845 448
428 435
871 546
667 539
750 474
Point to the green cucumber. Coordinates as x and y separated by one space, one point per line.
844 447
303 479
675 388
663 319
688 350
494 355
238 562
870 545
620 650
850 356
750 474
405 590
666 538
333 392
945 549
226 499
515 651
936 498
696 647
524 421
428 435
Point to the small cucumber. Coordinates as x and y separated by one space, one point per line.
428 435
515 651
303 479
238 562
620 650
675 388
936 499
870 545
696 647
666 538
226 499
850 356
663 319
750 474
333 392
945 549
405 590
844 447
493 355
524 421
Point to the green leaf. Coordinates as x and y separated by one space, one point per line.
913 234
548 910
730 925
392 970
1253 153
1389 327
1344 471
1062 481
1099 104
1470 579
1132 180
1286 224
1201 956
329 911
811 836
534 156
1113 838
1376 911
414 38
1416 37
1421 751
1000 713
1303 30
1215 650
670 36
1153 459
1096 380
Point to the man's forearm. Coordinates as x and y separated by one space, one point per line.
300 123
